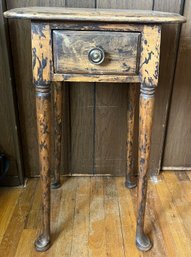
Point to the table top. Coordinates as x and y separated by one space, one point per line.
89 14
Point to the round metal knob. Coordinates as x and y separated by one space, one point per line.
96 55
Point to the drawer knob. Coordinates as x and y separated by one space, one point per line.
96 55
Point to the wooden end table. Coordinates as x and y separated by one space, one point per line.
94 45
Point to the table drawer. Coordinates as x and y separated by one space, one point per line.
95 52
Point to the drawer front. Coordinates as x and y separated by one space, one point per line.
72 52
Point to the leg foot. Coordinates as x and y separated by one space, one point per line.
42 243
131 181
55 185
143 242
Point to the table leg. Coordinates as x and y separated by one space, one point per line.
145 126
131 179
57 106
43 125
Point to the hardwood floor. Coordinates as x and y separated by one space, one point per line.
95 217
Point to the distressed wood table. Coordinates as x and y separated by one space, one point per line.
94 45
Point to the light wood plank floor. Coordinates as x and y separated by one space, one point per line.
95 217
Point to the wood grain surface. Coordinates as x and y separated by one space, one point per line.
131 170
134 16
111 113
177 144
57 134
20 34
169 47
9 125
72 47
146 109
96 78
85 148
44 128
97 217
82 117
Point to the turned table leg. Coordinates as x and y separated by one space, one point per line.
43 125
149 73
42 65
131 179
57 106
145 126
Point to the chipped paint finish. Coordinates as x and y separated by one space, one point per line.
146 107
41 65
44 127
131 180
71 47
149 73
148 69
57 107
41 54
96 26
150 53
96 78
119 32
